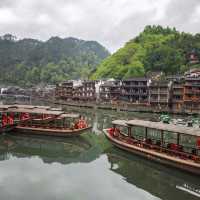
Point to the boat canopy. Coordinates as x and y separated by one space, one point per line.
165 127
23 106
4 107
55 109
35 111
31 106
120 122
69 115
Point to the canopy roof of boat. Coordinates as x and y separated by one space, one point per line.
120 122
23 106
55 109
165 127
69 115
7 106
30 106
35 111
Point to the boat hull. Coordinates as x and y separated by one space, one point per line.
158 157
50 132
7 128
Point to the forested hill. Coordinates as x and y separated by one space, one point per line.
29 61
155 49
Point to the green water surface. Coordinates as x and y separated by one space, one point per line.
86 167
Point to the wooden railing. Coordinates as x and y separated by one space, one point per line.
161 148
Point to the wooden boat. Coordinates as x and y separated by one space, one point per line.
65 132
57 127
163 143
42 120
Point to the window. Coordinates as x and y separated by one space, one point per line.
138 132
188 142
169 137
123 130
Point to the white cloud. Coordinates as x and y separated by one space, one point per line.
111 22
7 17
30 178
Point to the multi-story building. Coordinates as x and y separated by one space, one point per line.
110 91
160 94
85 92
192 94
177 92
64 91
77 92
89 90
135 90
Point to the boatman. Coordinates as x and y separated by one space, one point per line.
10 119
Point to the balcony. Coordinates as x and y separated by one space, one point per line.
154 92
134 86
164 91
177 100
177 86
134 93
193 91
177 92
163 100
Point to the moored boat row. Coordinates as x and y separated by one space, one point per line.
169 144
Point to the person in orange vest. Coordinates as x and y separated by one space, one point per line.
24 116
12 115
81 123
10 119
21 116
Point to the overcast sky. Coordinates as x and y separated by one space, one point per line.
110 22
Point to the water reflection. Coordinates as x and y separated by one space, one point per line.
33 169
49 149
163 182
87 167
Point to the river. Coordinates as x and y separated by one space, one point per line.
86 168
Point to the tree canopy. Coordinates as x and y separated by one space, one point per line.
28 61
155 49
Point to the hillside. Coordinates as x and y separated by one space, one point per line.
29 61
155 49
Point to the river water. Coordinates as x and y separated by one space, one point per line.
86 168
